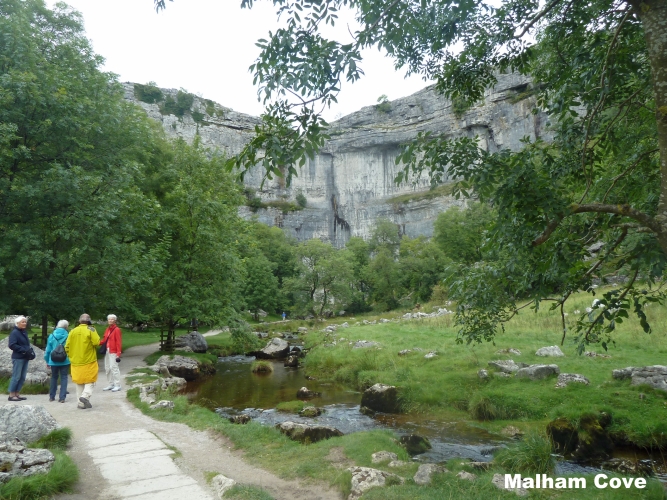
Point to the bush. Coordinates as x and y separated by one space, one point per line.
301 200
531 456
244 338
261 367
148 93
482 408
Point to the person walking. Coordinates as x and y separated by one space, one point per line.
81 347
22 353
58 368
113 338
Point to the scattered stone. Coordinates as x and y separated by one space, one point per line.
629 467
186 349
415 444
193 340
538 372
262 335
362 344
425 471
570 378
240 419
431 355
479 465
502 375
384 320
467 476
655 376
382 398
302 329
311 411
553 350
37 369
404 352
345 325
592 354
305 433
27 423
505 365
18 461
383 456
499 482
509 350
365 478
221 484
483 374
305 393
291 361
164 403
275 349
512 432
180 366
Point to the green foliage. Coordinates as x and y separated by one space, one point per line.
383 105
247 492
292 406
243 338
434 192
532 455
261 366
198 117
179 106
301 200
460 106
482 408
148 93
461 234
58 439
261 285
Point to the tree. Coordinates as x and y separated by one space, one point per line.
323 279
421 264
460 233
202 275
261 286
599 70
385 236
73 219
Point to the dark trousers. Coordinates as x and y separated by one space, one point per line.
63 371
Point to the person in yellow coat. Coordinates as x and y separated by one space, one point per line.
81 347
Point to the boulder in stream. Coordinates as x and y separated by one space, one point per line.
305 393
382 398
193 340
182 366
276 348
305 433
415 444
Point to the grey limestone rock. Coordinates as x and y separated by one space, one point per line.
499 482
655 376
305 393
37 373
509 350
505 365
425 471
305 433
365 478
193 340
18 461
276 348
362 344
466 476
568 378
483 374
383 456
240 419
179 366
26 422
382 398
553 350
163 403
221 484
538 372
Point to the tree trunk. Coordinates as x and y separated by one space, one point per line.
653 15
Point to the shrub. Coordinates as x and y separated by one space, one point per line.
148 93
262 367
301 200
531 456
383 105
243 337
197 116
482 408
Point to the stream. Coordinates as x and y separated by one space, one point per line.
235 390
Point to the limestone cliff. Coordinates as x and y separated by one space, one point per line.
350 184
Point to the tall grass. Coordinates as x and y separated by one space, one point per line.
58 439
247 492
532 455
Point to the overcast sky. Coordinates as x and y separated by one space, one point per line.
206 47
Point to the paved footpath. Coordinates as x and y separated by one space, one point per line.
123 454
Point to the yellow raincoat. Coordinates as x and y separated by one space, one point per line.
81 347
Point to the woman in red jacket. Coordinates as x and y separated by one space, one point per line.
114 341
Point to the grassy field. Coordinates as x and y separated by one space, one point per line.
449 384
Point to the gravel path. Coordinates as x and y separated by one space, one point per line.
199 452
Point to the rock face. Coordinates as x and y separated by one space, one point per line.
350 183
381 397
305 433
36 368
365 478
27 423
538 372
193 340
16 460
275 349
655 376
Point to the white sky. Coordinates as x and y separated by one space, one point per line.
206 47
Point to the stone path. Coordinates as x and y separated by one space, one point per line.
123 454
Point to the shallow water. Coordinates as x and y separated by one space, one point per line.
234 389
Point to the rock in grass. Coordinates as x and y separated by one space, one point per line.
553 350
415 444
538 372
425 472
304 433
240 419
27 423
570 378
193 340
655 376
563 434
180 366
381 397
510 350
365 478
483 374
16 460
164 403
511 431
499 482
397 463
221 484
467 476
505 365
383 456
311 411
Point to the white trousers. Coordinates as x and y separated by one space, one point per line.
111 367
84 390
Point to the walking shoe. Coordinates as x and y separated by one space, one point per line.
116 389
52 399
108 388
85 402
61 401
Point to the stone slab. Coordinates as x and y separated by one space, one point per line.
115 438
137 470
125 449
146 486
134 456
189 492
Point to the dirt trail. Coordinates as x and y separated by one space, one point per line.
201 451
